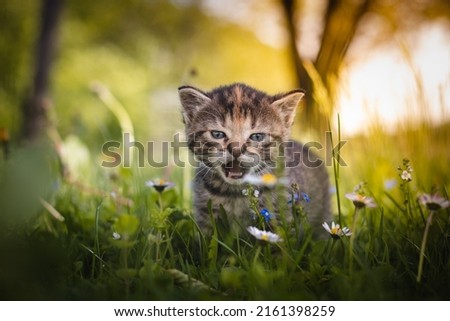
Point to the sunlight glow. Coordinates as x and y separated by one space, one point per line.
383 89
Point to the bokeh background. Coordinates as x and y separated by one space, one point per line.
375 58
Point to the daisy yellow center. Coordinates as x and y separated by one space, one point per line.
335 230
360 198
265 237
269 179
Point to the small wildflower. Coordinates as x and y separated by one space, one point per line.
405 171
263 180
406 176
267 179
335 231
264 235
407 165
256 193
306 197
266 214
361 201
296 198
159 184
433 202
116 236
245 192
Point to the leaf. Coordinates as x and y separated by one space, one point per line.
126 225
169 197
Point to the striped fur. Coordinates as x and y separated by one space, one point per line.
224 129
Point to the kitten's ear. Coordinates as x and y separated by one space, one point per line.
192 100
285 104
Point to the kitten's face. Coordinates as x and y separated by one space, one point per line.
236 130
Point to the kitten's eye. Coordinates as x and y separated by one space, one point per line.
217 134
257 137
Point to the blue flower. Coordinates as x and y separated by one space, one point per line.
306 197
296 199
266 214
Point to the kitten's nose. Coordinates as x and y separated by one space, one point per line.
236 149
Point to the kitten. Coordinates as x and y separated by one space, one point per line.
235 131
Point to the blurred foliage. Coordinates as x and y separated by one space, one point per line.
141 50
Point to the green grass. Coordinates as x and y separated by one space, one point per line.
162 254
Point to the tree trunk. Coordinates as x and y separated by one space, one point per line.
36 104
302 78
341 20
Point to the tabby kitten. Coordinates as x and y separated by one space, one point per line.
236 131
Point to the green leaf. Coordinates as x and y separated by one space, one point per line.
126 225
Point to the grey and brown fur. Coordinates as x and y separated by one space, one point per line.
239 111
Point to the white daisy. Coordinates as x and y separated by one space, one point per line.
361 201
335 231
264 235
267 179
433 202
159 184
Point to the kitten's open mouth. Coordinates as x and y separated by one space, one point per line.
234 170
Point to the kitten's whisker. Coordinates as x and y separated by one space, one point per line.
262 168
202 170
